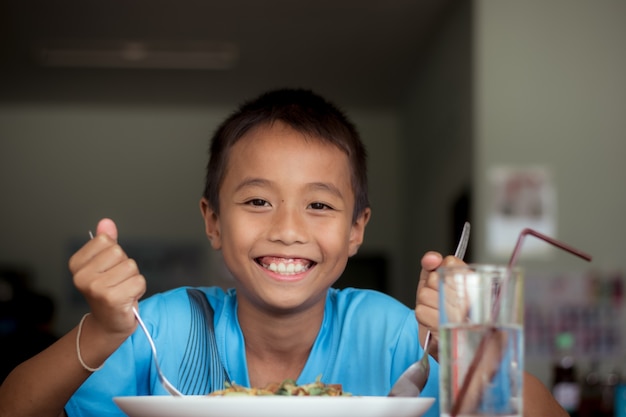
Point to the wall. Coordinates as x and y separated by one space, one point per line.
437 143
64 165
520 83
550 91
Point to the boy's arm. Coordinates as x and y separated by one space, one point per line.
42 385
111 284
538 400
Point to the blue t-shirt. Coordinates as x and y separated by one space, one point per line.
367 339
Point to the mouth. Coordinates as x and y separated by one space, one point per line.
285 266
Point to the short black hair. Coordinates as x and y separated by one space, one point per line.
302 110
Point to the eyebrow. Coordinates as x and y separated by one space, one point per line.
325 186
260 182
252 182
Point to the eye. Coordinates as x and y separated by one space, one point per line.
320 206
258 202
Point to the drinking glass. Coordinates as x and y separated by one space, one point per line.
481 340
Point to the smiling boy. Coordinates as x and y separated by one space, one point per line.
285 227
285 201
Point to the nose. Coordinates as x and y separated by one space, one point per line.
288 226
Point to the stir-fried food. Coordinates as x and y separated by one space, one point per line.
287 387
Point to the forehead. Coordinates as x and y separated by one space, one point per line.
278 148
279 136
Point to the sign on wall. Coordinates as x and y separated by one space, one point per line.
520 197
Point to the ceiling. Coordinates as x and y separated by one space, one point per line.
361 52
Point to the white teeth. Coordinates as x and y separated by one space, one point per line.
286 269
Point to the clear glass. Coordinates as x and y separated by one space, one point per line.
481 340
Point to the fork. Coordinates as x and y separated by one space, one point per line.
164 381
412 381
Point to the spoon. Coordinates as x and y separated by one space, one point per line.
412 381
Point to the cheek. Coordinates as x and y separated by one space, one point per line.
238 233
333 240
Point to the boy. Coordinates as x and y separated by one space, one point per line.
286 203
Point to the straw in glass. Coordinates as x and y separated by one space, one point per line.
456 407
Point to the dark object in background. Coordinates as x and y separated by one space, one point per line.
26 318
461 213
565 383
367 271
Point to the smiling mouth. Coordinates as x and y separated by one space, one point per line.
285 266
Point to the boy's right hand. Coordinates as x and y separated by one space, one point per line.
109 280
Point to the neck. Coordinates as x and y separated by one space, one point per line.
278 345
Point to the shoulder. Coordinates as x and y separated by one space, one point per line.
375 319
171 305
370 307
353 298
180 296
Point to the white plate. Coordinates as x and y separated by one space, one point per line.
273 406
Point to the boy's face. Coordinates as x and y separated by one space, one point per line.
285 224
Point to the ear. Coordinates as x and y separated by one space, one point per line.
211 224
357 232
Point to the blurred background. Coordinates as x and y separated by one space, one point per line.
106 109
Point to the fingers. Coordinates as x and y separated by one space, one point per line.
427 298
431 260
426 310
108 227
428 287
109 280
107 269
91 249
426 303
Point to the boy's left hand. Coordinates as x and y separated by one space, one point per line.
427 299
